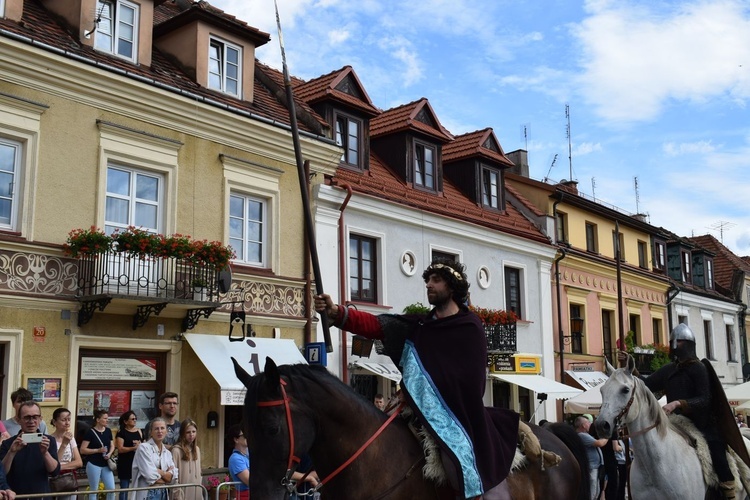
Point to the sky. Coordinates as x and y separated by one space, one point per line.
656 90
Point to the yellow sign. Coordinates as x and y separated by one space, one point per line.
526 363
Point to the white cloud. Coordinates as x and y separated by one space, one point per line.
688 148
585 148
337 37
637 60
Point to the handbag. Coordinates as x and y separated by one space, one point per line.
64 482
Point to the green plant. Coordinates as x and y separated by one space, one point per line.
416 308
199 283
661 355
212 252
494 316
177 246
87 242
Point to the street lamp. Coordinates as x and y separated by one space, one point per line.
576 330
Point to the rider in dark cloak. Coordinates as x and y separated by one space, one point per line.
443 358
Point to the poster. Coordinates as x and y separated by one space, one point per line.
143 403
128 369
46 390
115 402
85 403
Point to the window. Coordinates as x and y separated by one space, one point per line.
224 67
618 245
348 136
247 228
513 291
490 188
437 254
660 255
708 336
576 342
10 172
561 226
642 255
591 243
363 269
635 327
117 28
424 166
730 342
656 326
682 319
134 198
608 336
685 266
709 277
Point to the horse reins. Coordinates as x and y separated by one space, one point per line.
286 480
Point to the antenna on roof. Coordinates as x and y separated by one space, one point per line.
87 34
721 226
546 178
593 187
637 194
525 137
570 146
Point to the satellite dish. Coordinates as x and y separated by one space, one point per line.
225 280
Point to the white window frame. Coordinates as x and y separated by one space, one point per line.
121 147
134 201
242 254
254 180
224 44
16 181
114 26
20 122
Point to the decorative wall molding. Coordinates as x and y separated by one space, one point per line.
38 274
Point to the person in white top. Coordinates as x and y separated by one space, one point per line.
153 464
67 448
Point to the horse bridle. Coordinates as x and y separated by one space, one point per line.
625 409
286 481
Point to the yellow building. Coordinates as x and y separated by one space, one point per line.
154 115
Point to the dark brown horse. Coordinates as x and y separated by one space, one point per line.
330 422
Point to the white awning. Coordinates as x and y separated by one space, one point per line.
738 395
540 385
384 369
588 380
216 351
591 402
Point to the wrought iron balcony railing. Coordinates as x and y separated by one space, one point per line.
501 338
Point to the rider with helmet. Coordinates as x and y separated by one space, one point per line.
687 385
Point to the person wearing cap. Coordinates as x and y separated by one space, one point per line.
687 384
443 357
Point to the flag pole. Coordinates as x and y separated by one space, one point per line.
303 184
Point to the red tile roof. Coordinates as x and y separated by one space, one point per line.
168 11
324 87
383 183
725 261
39 27
402 118
472 145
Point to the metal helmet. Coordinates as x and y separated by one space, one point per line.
681 332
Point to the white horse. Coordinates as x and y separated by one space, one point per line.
665 465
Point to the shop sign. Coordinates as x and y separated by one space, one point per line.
127 369
503 363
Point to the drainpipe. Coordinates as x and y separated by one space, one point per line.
342 279
560 332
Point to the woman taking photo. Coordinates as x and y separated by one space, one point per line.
187 459
98 446
128 439
153 464
67 448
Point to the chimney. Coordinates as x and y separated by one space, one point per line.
520 159
569 186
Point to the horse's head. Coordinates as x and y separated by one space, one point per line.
619 405
278 427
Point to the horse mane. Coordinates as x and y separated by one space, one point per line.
654 412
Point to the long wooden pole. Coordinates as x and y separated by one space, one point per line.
303 183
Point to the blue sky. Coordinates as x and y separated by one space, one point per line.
657 90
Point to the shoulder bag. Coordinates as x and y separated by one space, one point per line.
112 460
64 482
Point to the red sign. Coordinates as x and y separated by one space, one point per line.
40 333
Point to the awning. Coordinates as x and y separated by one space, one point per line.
588 380
540 385
591 402
216 351
384 369
738 395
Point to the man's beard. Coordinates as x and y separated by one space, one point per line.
439 299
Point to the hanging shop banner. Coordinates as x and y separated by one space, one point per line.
127 369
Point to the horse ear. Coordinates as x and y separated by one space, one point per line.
631 364
608 368
271 371
241 373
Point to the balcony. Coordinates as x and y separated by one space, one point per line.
148 282
501 337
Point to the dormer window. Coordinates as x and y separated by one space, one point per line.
117 28
424 166
709 274
685 259
490 188
349 137
224 67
